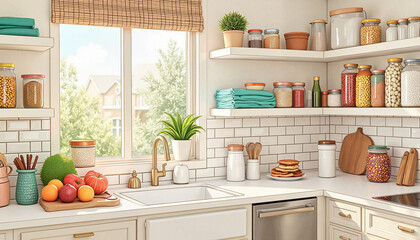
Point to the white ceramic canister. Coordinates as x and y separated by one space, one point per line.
326 149
83 153
236 163
253 169
181 174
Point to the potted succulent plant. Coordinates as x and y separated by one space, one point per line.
233 25
181 130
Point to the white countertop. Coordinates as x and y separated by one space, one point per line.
356 189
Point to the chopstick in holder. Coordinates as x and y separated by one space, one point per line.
19 164
23 162
28 162
34 164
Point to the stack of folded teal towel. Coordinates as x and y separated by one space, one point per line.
242 98
18 26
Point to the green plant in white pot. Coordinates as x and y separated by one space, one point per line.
233 25
181 130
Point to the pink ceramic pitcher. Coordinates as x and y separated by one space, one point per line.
5 185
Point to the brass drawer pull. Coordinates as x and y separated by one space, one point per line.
344 238
344 215
406 229
83 235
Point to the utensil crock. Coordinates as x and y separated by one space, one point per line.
26 187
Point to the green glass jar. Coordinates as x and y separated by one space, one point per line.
26 187
316 93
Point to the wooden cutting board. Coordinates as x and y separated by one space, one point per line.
401 171
410 168
98 201
353 153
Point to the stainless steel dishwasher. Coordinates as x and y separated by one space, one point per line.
285 220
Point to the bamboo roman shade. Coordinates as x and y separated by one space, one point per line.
176 15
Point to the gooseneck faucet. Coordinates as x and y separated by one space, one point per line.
156 174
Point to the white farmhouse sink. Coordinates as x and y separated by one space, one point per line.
177 194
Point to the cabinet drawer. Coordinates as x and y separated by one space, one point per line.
338 233
391 226
345 214
6 235
371 237
125 230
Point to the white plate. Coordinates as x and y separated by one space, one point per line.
286 178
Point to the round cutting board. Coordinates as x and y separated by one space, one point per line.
353 152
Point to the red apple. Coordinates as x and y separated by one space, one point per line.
74 180
67 193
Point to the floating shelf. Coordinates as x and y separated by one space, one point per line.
26 113
282 112
23 43
374 50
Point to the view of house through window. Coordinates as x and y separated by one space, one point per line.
91 93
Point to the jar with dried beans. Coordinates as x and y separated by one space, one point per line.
393 82
7 85
370 33
363 86
33 90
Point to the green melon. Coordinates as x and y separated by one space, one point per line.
57 167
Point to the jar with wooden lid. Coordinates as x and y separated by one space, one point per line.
33 87
377 88
7 85
83 152
283 94
413 27
348 85
334 98
392 31
298 91
363 86
324 99
326 151
318 35
271 38
402 28
235 163
370 33
255 38
393 82
345 27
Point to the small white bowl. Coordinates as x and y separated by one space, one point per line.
255 86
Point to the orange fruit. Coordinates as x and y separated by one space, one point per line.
85 193
49 193
56 183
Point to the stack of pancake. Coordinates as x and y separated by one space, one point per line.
287 168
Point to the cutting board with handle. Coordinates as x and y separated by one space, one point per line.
353 153
99 201
410 168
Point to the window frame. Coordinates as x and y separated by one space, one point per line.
192 51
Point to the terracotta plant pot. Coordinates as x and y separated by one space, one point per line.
233 38
297 40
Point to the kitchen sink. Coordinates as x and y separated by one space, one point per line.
156 196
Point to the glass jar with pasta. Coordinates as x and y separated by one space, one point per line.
363 86
7 85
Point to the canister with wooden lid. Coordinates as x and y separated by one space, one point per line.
83 152
326 161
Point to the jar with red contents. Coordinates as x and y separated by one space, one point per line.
298 91
378 164
348 85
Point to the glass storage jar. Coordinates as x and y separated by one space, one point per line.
377 88
235 165
318 35
334 98
392 31
370 33
255 38
378 164
83 152
413 27
316 93
402 28
410 83
324 99
348 85
363 86
271 38
345 27
283 94
298 92
393 83
7 85
33 85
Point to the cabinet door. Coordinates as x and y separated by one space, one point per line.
110 231
345 214
338 233
6 235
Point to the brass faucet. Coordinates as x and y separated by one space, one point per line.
155 173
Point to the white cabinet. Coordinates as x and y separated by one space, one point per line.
339 233
345 214
6 235
226 223
121 230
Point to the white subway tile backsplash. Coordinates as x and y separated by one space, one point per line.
18 147
378 140
251 122
409 143
203 173
415 132
269 140
377 121
393 122
302 121
46 146
220 172
285 140
268 159
46 124
294 130
220 152
210 153
36 146
277 131
410 122
9 137
369 131
349 121
385 131
402 132
242 132
362 121
2 147
36 125
215 143
268 122
215 123
278 149
286 122
229 141
393 141
215 162
311 129
3 125
34 135
315 120
262 131
18 125
335 120
224 132
342 129
296 148
210 133
302 138
233 123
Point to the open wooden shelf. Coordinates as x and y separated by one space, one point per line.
23 43
26 113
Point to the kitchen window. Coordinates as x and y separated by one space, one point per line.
116 84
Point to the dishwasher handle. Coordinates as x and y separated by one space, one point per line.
274 212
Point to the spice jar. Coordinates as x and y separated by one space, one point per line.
378 164
318 35
283 94
377 88
235 163
255 38
271 38
410 83
324 99
393 82
370 33
392 31
298 91
413 27
83 152
363 86
402 28
316 93
348 85
334 98
345 27
326 163
33 90
7 85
